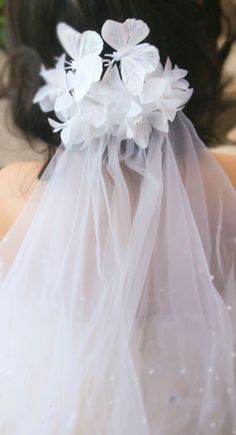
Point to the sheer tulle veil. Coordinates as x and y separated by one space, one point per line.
118 286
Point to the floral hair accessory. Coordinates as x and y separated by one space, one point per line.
126 94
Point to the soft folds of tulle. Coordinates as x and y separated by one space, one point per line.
118 294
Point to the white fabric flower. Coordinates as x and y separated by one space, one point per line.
136 60
115 97
73 130
164 94
55 95
125 111
84 49
86 121
127 103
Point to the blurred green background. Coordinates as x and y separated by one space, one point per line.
2 27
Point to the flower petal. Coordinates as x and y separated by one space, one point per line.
91 44
153 90
47 104
158 121
127 34
142 60
63 102
77 44
135 109
55 77
57 126
79 129
93 66
133 75
61 62
94 114
42 93
66 136
142 134
147 55
84 82
70 39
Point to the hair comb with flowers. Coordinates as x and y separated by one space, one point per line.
126 94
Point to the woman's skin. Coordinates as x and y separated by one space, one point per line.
226 157
18 180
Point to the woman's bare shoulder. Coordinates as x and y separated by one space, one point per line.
18 179
226 156
17 182
32 165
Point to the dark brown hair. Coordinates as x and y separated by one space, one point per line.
185 30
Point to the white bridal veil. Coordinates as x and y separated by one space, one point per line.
118 280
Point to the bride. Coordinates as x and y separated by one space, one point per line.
118 254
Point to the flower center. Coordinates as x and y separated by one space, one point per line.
117 55
138 120
75 64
